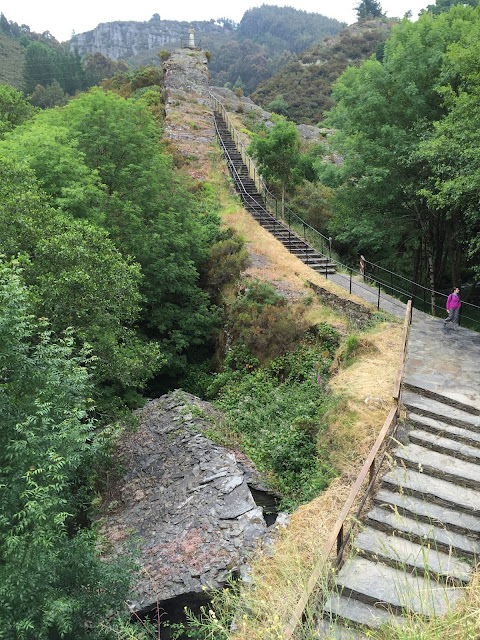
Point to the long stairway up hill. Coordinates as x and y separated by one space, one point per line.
255 204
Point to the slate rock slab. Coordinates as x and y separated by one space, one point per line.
183 503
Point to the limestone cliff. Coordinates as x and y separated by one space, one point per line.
123 40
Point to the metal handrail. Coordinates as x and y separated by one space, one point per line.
247 198
323 240
420 300
262 187
371 467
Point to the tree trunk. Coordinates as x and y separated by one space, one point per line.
456 253
427 233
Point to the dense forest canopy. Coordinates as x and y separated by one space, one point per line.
102 246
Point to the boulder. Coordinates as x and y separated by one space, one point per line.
183 504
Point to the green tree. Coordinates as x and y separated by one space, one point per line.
454 156
60 167
149 214
52 584
14 109
48 97
277 152
384 111
441 6
279 105
79 279
369 9
40 66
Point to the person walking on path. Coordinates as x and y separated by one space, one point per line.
453 307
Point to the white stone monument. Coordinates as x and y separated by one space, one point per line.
191 38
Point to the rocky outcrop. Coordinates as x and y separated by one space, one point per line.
188 125
184 502
123 40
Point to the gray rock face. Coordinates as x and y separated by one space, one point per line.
183 501
122 40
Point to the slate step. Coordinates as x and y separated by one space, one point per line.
349 610
420 532
430 512
440 411
449 430
435 442
435 490
439 465
460 400
415 558
333 631
399 591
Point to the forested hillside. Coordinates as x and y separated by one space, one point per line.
48 71
102 246
243 54
301 89
267 37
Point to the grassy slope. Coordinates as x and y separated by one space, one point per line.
11 62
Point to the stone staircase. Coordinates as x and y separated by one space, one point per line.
255 205
421 538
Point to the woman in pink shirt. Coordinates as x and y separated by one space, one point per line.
453 307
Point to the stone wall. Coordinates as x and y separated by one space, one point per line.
358 314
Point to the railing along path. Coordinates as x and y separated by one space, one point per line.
371 468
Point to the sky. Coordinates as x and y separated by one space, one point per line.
61 17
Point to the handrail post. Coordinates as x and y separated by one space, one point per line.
378 301
350 281
330 248
371 473
340 540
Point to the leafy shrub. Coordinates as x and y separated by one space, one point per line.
278 413
261 319
228 257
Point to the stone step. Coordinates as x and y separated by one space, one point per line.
399 591
321 269
421 509
334 631
350 610
436 490
435 442
416 558
440 411
438 537
449 430
470 403
439 465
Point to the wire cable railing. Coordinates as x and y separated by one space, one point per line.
263 214
423 298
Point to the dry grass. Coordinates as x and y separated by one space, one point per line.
280 577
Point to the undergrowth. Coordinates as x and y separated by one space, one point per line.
274 407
